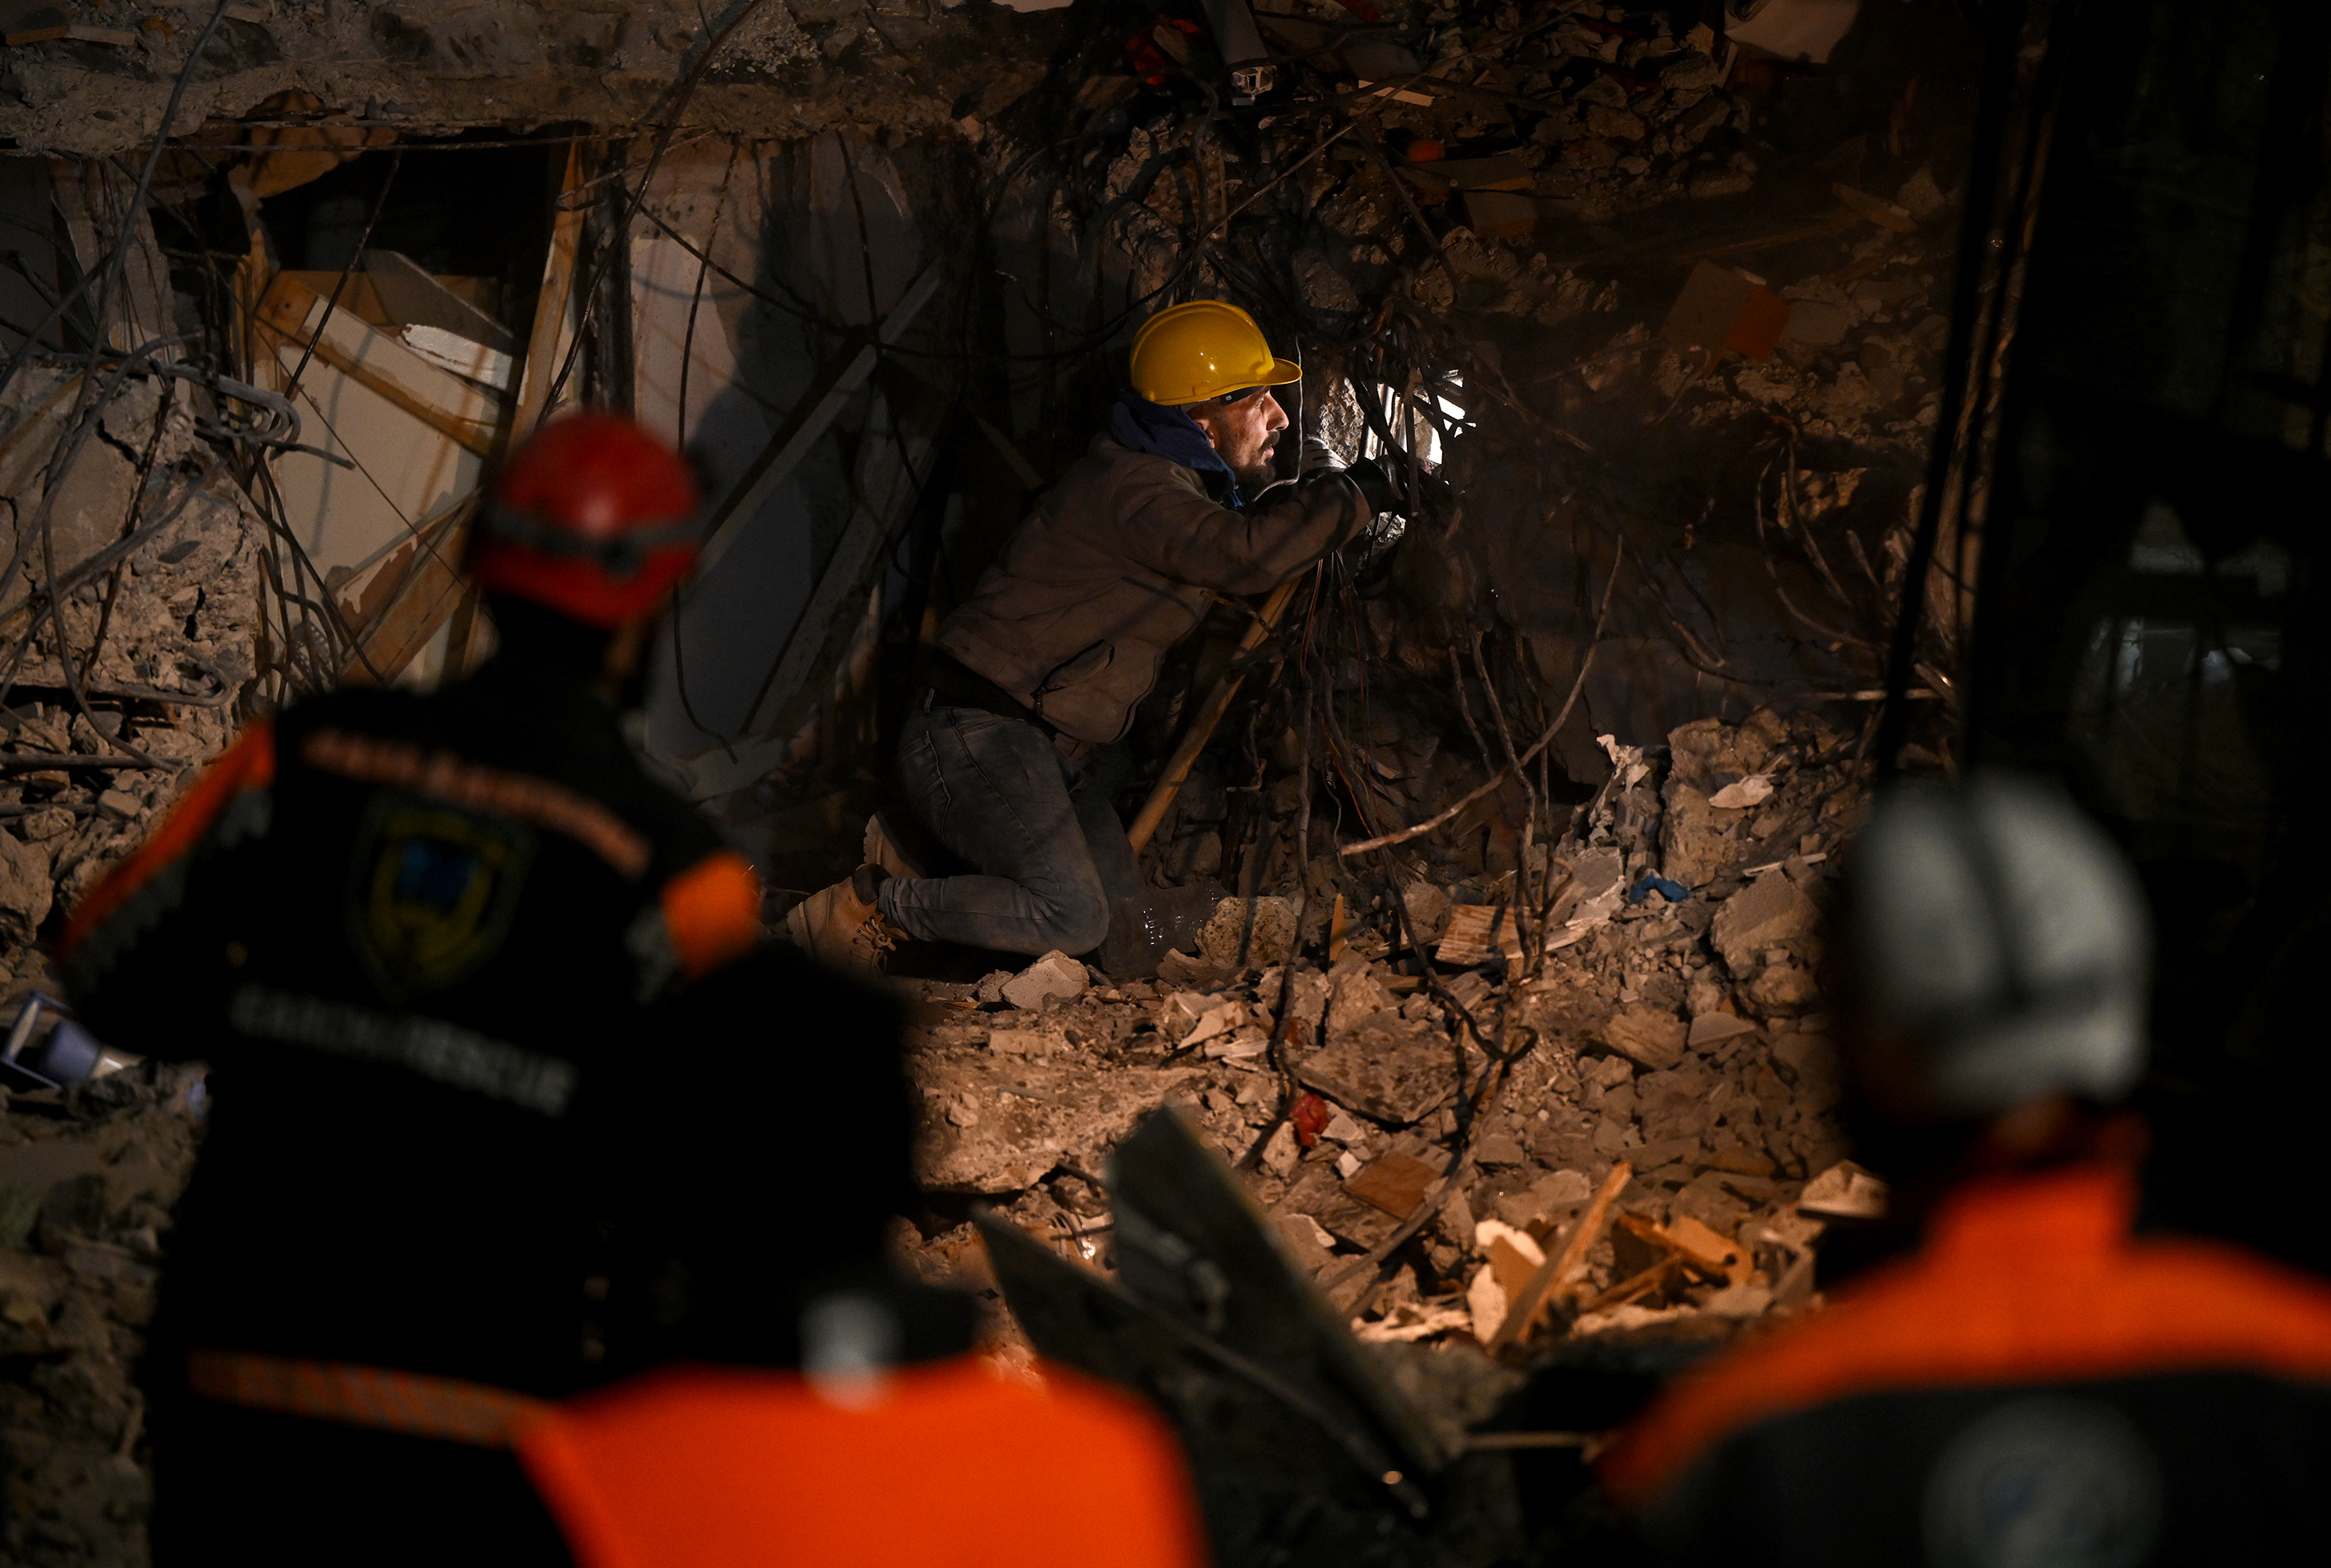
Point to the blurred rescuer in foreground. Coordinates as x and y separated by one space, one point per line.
2035 1385
431 946
797 1400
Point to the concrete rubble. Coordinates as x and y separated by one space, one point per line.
158 553
1687 1039
88 1178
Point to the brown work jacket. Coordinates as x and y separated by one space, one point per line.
1119 561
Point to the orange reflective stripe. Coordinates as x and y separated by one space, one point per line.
248 765
712 912
710 1469
417 1404
368 759
2033 1280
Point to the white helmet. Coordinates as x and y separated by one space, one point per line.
2001 947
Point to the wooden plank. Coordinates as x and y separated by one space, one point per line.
546 343
792 442
285 316
1022 469
1209 714
412 297
1555 1279
1466 940
429 591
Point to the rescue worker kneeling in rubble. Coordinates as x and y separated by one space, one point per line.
430 945
2034 1386
1063 636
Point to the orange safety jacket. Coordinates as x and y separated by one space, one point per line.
932 1466
2032 1369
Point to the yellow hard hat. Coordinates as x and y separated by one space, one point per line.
1202 349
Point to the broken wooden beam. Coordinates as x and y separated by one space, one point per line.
1554 1280
1209 714
547 337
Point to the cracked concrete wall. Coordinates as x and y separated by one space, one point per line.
428 65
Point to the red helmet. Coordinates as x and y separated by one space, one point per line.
591 516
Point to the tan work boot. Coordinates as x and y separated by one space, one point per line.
840 926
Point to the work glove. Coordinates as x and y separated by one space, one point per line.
1376 486
1386 489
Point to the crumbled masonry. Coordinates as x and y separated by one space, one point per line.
1686 1039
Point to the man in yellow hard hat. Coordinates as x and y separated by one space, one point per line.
1064 635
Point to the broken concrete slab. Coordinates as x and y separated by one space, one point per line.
1769 912
1319 1193
997 1124
1354 994
1249 932
1055 975
1393 1076
26 894
1647 1036
1597 891
1713 1029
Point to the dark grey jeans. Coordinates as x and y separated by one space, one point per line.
1050 854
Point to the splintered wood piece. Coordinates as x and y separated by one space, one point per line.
1658 1277
1705 1247
1339 931
1511 1265
1395 1183
1554 1281
1702 1249
1466 941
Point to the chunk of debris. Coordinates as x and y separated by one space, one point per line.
1769 912
1055 975
1475 931
1724 311
1393 1079
1647 1036
1844 1191
1396 1184
1712 1029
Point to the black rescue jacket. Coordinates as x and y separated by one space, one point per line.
435 950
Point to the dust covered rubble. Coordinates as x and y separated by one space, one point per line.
1686 1038
161 635
1544 161
88 1178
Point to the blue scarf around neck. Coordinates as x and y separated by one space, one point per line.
1167 433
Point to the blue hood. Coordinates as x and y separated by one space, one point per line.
1167 433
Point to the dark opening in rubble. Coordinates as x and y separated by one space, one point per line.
454 209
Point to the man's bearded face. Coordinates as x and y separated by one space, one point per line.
1245 433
